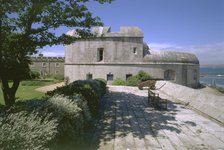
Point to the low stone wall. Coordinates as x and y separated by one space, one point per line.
205 102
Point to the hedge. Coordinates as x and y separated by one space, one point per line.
56 122
132 80
91 90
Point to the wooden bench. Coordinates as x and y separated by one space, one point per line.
156 100
155 97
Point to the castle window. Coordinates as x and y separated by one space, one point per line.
195 75
56 72
110 77
128 75
57 65
89 76
169 75
44 64
100 54
135 50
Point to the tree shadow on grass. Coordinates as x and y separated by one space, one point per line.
125 114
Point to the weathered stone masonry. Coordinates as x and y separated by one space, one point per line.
48 65
113 55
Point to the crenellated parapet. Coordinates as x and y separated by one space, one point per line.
106 32
124 32
51 59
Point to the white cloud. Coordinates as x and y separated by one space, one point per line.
54 51
52 54
207 54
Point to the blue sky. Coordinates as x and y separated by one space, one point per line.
195 26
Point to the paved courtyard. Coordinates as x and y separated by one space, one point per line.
129 123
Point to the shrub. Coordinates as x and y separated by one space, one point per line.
103 84
53 122
69 116
135 80
91 90
132 81
141 74
34 75
63 90
24 130
82 103
119 82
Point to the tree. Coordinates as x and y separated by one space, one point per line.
27 25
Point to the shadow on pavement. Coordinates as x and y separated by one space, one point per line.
126 115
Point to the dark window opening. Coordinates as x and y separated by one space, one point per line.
100 54
57 65
169 75
135 50
44 64
128 75
110 77
89 76
195 75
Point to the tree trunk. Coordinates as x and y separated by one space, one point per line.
9 93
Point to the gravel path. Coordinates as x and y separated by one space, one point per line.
44 89
128 122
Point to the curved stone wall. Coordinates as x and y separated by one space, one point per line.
80 71
113 55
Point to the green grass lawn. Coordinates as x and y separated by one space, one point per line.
27 91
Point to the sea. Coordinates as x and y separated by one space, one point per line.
212 76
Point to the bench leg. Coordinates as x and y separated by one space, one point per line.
148 98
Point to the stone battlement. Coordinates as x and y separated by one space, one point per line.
60 59
124 32
106 32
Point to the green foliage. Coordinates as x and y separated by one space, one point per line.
91 90
58 77
133 81
24 130
103 84
20 36
34 75
53 122
70 117
141 74
119 82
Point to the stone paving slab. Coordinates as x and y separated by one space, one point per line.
129 123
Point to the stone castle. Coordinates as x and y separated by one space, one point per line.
48 65
112 55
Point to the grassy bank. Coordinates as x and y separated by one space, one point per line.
27 88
